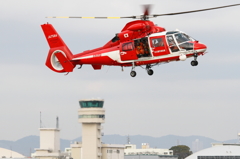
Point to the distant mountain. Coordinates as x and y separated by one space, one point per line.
22 146
27 144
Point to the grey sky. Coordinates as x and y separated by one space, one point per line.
178 99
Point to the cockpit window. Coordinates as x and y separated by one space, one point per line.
172 44
179 40
180 37
157 42
172 32
186 46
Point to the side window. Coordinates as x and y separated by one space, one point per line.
157 42
127 47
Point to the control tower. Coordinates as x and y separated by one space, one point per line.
91 115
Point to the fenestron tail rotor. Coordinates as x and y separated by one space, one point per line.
146 14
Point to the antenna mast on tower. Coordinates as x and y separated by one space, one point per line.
57 124
128 140
239 137
40 120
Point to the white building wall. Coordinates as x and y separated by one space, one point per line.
91 141
49 144
57 141
112 151
50 139
76 151
108 151
131 150
149 151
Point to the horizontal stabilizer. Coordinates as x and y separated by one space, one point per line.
97 67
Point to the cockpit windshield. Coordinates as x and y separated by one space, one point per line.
181 37
179 41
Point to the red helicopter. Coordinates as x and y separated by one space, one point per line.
140 43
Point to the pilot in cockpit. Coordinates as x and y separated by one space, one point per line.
172 44
157 42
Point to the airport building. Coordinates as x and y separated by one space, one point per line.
49 145
146 150
5 153
218 151
131 152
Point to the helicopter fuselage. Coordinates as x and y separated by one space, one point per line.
139 43
153 49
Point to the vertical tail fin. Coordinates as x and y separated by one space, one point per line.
59 55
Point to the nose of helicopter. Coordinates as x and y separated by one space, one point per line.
199 47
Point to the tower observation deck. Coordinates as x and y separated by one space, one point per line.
91 114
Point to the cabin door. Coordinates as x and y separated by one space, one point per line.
159 45
127 51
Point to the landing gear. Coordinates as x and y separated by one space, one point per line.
194 62
133 73
149 70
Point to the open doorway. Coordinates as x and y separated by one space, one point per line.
142 47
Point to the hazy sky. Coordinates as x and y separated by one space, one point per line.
178 99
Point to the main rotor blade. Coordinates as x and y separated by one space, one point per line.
95 17
156 15
146 13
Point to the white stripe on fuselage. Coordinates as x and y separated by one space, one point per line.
115 56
